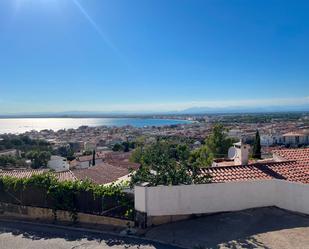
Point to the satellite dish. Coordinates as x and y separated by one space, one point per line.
232 153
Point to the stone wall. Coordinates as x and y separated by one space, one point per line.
46 214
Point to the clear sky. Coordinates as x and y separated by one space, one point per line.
140 55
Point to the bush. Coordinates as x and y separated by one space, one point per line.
63 194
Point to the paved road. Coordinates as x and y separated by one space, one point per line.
24 236
255 228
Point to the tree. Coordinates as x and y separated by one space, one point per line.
165 163
93 158
117 147
257 146
38 158
126 146
216 145
217 142
66 151
12 161
136 155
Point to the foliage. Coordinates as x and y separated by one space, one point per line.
124 146
216 145
117 147
12 161
201 157
93 158
136 156
172 163
65 151
23 143
39 158
256 153
165 163
261 117
63 194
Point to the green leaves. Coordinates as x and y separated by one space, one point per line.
172 163
163 163
63 194
257 146
39 158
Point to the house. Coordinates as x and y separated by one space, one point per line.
237 155
284 183
115 168
83 162
90 145
296 138
271 139
58 163
300 155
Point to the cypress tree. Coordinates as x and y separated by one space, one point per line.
93 157
257 146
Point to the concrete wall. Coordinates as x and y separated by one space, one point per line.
58 163
46 214
219 197
293 196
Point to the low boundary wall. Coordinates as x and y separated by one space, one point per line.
46 214
162 204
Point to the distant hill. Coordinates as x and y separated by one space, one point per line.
193 110
240 109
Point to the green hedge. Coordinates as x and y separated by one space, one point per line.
64 194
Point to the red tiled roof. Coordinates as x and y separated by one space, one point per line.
20 173
101 174
116 166
301 155
61 176
65 176
288 170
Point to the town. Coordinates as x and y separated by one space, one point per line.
261 151
158 124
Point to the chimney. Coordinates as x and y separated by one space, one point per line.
242 155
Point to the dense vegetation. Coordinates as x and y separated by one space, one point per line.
63 195
124 146
260 117
67 152
12 161
256 152
23 143
38 151
166 162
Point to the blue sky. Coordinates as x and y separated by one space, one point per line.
144 55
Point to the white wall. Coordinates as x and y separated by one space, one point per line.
293 196
58 163
219 197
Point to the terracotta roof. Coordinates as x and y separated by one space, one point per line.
101 174
288 170
22 173
295 133
300 155
26 173
116 166
235 173
123 164
65 176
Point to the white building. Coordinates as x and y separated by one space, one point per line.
296 138
58 163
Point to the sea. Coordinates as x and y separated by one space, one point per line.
21 125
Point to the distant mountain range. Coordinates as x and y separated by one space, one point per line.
192 111
241 109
